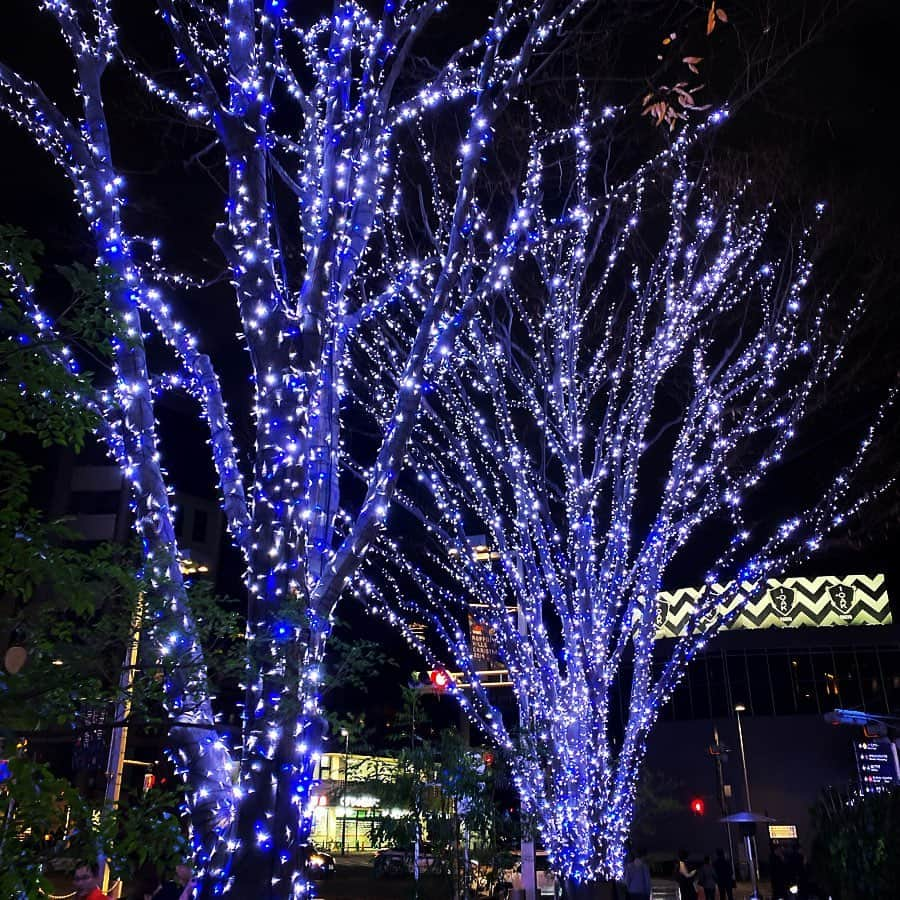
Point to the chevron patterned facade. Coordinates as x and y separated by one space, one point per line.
791 603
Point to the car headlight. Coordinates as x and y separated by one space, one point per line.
316 860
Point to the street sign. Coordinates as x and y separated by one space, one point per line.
877 764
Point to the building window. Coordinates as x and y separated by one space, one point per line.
761 700
784 684
720 704
805 682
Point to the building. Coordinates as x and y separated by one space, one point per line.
810 646
346 799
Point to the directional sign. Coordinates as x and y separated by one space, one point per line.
877 764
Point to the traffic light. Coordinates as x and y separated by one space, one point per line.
488 758
440 680
698 806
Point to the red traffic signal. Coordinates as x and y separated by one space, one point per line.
698 807
440 680
488 758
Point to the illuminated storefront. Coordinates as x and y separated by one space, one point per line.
346 800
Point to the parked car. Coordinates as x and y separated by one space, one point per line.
394 862
317 863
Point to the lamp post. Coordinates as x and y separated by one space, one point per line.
345 734
750 829
738 710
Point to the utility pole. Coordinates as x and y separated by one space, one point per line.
345 734
719 755
119 737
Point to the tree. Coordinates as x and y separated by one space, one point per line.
610 425
66 610
342 201
852 846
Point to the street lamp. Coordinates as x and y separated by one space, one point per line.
345 734
738 710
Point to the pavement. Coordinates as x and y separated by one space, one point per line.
354 880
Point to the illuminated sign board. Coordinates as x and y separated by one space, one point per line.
790 603
877 764
782 832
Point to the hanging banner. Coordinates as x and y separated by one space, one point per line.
484 645
822 602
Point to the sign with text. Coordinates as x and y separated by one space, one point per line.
789 603
877 764
484 645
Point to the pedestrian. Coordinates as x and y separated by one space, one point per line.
778 871
706 879
184 876
686 877
724 875
86 879
637 878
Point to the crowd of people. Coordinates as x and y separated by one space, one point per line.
712 880
148 883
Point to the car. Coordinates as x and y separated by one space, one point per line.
397 861
317 863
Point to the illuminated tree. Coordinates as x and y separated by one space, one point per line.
333 137
608 424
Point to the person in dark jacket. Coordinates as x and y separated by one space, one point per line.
724 875
637 878
686 877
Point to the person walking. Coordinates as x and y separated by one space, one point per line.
724 875
686 877
706 879
637 878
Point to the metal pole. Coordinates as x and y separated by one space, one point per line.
119 737
738 710
723 800
346 735
752 860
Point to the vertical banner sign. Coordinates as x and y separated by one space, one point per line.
484 645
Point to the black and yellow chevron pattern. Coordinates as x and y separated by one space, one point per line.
791 603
